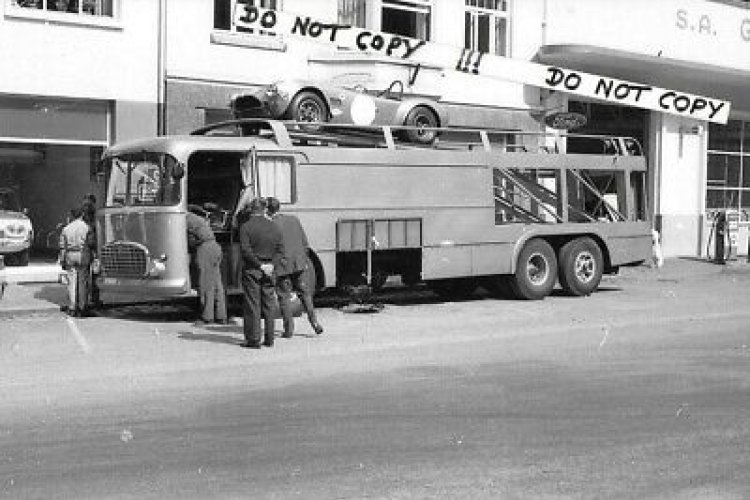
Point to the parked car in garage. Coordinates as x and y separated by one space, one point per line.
346 101
16 231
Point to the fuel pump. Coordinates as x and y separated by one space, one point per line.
721 243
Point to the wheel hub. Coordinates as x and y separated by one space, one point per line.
310 112
585 267
537 269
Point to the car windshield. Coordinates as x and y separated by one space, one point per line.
9 201
352 80
142 179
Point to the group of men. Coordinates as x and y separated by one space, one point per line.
77 252
273 248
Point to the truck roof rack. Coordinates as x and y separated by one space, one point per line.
290 133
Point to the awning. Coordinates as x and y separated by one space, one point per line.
698 78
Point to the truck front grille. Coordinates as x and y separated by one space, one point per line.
124 260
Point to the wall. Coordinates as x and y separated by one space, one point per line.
679 170
688 30
115 62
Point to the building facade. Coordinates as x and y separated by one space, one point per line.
78 75
75 76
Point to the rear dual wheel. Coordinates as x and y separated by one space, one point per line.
581 266
536 271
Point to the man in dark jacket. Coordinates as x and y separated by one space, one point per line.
262 251
202 241
89 217
290 276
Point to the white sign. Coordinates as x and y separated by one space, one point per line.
248 18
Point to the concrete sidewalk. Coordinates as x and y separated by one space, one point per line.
36 289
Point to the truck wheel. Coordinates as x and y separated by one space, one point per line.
581 266
421 117
308 107
536 271
453 289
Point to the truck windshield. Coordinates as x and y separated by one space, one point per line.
142 179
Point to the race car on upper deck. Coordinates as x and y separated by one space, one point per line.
345 100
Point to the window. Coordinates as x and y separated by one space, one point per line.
103 8
486 26
411 19
352 13
276 177
144 179
224 11
728 171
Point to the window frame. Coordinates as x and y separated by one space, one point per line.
356 13
425 7
262 158
13 9
472 14
735 185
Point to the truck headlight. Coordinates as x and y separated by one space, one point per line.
158 267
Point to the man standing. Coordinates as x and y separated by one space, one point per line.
289 276
262 250
88 214
74 259
201 240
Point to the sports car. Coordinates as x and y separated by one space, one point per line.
345 102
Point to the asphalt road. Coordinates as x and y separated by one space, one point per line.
640 391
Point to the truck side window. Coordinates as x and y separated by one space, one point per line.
276 177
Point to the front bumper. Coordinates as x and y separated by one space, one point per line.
8 247
144 287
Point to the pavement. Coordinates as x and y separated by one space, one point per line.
38 289
35 288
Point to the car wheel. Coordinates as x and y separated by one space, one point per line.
536 271
308 107
421 118
580 266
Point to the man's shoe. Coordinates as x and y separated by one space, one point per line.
286 335
268 344
200 323
221 322
318 328
250 345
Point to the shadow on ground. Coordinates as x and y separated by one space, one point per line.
212 336
56 294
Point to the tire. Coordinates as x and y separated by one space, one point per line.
308 107
581 266
421 117
536 271
454 289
